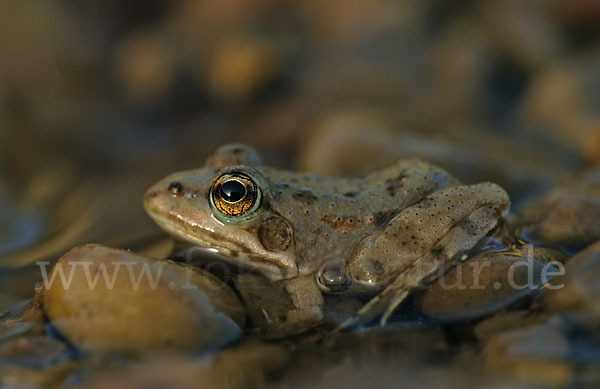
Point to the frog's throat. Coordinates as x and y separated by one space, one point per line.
270 269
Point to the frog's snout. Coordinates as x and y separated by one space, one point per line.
149 195
151 199
157 196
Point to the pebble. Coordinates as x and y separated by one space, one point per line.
247 365
172 307
567 214
482 285
578 290
544 355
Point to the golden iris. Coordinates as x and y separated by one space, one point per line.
234 194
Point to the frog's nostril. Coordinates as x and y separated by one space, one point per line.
175 189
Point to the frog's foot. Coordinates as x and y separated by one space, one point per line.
307 311
383 304
300 320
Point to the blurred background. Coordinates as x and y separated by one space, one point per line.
100 99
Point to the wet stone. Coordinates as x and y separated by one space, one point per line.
545 354
578 290
508 321
247 365
129 309
32 361
35 351
482 285
566 215
571 222
13 329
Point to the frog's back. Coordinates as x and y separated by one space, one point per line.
330 215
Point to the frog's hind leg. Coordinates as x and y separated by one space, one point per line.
445 254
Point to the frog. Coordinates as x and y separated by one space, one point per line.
382 235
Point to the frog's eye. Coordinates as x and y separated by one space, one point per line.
235 194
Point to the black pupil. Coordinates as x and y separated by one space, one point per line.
233 191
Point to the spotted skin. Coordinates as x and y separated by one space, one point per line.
392 229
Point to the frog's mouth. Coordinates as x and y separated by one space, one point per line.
231 252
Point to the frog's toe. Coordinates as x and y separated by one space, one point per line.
397 298
359 318
295 322
383 304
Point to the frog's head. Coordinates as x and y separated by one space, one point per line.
226 208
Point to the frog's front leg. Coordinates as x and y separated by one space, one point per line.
421 243
308 305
